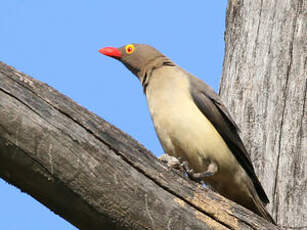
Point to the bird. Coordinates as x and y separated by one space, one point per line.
193 125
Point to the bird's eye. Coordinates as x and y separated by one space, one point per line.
129 49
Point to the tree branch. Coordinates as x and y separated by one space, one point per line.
94 175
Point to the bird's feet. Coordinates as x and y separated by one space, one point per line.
171 161
183 166
211 170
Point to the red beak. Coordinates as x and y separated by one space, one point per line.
111 52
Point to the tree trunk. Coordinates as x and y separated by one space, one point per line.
94 175
264 86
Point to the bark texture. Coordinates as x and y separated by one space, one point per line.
264 86
94 175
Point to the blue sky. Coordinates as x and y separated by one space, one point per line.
57 42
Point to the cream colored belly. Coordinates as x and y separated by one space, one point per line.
182 128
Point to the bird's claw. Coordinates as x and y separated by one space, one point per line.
172 162
212 169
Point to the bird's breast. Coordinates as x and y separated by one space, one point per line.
182 128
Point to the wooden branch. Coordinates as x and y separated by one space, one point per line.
94 175
264 84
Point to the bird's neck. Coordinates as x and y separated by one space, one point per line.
146 72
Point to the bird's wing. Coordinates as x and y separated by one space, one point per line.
210 104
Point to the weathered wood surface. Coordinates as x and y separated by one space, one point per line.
94 175
264 86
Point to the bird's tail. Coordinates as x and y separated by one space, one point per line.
260 207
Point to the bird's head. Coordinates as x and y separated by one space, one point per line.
134 56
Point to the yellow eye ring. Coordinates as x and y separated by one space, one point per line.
129 49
